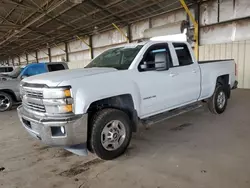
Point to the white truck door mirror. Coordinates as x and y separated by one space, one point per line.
161 61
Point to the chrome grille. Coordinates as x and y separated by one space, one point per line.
32 99
35 107
33 94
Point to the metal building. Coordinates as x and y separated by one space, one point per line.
78 30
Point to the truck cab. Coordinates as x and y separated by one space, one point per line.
168 65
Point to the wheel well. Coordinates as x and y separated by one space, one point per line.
11 93
121 102
224 81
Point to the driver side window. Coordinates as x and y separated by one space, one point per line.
150 57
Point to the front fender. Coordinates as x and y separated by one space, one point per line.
84 96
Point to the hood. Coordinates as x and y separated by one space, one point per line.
53 79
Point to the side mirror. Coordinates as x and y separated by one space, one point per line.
161 62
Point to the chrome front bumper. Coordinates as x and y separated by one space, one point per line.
42 128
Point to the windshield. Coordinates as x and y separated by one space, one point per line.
15 73
119 58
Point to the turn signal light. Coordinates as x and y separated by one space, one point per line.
68 108
67 93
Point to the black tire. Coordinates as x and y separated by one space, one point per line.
213 104
99 121
10 101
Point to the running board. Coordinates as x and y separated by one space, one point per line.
170 114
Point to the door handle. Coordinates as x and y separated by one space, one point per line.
173 74
194 71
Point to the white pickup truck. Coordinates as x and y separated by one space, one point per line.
97 108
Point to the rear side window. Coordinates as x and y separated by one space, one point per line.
9 69
55 67
6 69
183 54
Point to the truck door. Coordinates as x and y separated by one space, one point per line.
185 74
158 90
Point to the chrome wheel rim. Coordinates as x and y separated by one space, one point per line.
221 100
4 102
113 135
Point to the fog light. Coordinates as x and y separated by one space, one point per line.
58 131
63 129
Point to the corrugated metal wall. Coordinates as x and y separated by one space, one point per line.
229 39
239 51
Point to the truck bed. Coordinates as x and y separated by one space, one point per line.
210 70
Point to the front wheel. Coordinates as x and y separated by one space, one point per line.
110 133
218 102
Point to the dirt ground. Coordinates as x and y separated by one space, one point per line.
196 149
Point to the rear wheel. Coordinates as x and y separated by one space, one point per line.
218 102
6 102
111 133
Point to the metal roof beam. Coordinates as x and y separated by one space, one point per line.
114 3
19 26
103 20
11 11
33 21
81 17
8 26
43 5
47 20
16 3
80 30
107 11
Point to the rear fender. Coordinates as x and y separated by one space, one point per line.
222 80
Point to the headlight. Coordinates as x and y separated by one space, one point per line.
58 109
56 93
58 100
